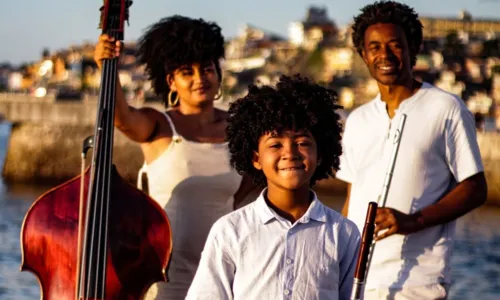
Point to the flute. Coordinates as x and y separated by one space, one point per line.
367 245
364 251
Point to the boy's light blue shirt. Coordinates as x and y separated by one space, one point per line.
253 253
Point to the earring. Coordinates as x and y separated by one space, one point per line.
219 94
176 100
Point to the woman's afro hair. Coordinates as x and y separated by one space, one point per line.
295 104
393 13
177 41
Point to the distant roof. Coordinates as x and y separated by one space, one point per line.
272 35
458 19
318 17
462 16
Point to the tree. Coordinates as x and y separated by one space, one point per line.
491 48
312 64
454 49
495 69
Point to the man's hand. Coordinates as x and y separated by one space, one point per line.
394 222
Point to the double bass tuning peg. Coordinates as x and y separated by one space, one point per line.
128 3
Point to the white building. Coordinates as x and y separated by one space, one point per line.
316 28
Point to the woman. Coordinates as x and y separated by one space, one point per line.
186 156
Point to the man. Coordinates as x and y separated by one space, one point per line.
438 175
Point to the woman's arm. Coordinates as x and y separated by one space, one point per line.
136 124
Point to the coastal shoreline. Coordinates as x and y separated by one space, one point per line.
50 154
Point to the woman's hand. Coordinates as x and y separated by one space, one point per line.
107 48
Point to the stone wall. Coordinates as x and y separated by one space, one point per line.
46 140
49 153
23 108
45 152
489 143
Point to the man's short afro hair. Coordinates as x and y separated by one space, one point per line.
295 104
390 12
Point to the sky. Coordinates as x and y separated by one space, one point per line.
29 26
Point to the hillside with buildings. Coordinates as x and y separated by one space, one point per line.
459 54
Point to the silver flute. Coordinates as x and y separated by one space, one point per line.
367 245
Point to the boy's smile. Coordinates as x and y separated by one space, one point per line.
288 160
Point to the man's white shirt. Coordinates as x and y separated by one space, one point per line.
438 148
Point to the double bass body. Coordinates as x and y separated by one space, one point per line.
138 241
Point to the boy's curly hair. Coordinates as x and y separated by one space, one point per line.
177 41
393 13
295 104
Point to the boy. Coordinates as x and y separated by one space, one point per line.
286 244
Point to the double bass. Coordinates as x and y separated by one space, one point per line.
97 236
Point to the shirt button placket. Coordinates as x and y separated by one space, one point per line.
288 267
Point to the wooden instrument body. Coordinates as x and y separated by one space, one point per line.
139 244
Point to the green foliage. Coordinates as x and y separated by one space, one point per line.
315 60
314 64
453 46
491 48
495 69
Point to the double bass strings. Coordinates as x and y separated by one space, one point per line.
89 244
105 184
100 187
108 162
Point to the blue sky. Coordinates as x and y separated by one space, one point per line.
27 26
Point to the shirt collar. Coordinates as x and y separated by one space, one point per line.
316 210
381 107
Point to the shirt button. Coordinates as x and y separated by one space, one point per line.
287 292
288 261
